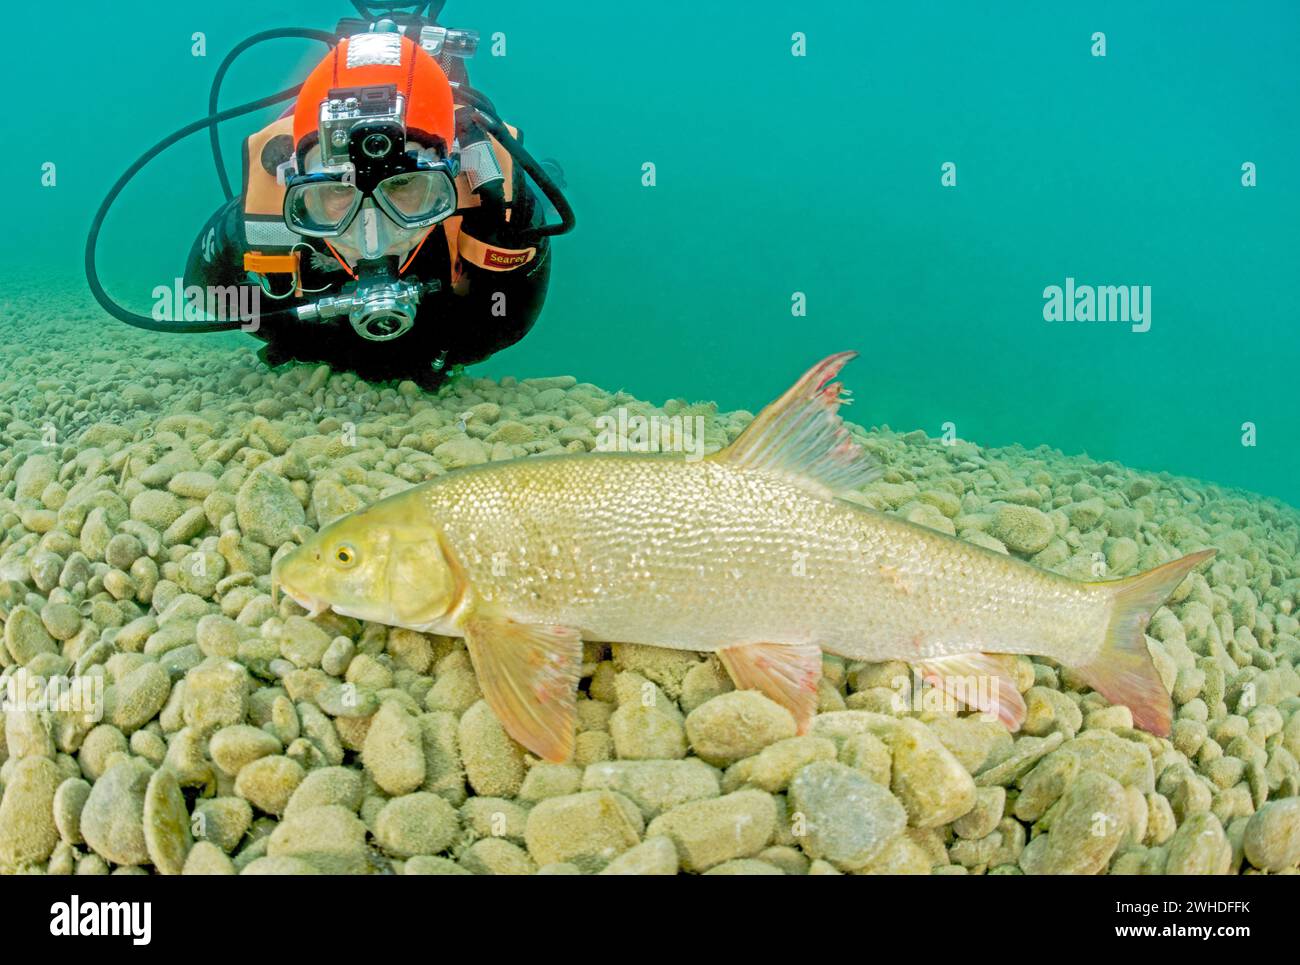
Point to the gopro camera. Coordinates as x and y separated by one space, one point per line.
370 115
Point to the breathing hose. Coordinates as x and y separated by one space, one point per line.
483 109
280 33
147 322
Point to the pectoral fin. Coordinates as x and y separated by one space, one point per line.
529 676
984 681
787 673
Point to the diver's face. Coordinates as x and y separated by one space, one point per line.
371 234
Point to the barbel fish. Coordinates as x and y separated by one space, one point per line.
750 553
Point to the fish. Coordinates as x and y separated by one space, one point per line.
758 553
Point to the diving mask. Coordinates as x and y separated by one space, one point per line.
361 154
324 204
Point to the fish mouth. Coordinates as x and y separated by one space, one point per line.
314 607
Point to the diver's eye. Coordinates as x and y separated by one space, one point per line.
345 555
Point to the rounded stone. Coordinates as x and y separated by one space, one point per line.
139 696
28 832
1272 839
112 822
736 725
420 823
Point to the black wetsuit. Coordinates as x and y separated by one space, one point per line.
485 312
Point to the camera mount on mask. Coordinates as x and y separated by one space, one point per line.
395 308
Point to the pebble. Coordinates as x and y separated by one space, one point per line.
25 635
653 856
1022 529
494 763
588 828
932 785
156 508
393 753
1199 847
303 642
419 823
166 823
736 725
207 859
329 838
28 832
215 695
775 766
267 509
222 821
654 786
139 696
139 548
69 801
1272 839
712 831
112 821
1085 831
234 747
843 816
268 782
327 785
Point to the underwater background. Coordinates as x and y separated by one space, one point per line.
779 174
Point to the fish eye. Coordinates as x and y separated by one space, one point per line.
345 555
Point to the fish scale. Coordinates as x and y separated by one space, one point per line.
701 555
748 553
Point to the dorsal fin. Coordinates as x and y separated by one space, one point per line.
801 437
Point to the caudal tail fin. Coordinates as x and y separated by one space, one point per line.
1123 671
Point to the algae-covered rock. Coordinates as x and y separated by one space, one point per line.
931 784
139 696
1022 529
1199 847
654 786
28 832
166 823
735 725
394 750
494 762
712 831
112 821
1272 839
841 815
329 838
653 856
215 695
233 747
1086 829
327 785
587 828
420 823
267 508
25 635
268 782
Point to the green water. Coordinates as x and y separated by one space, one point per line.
817 174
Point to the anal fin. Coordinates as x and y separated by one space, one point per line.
787 673
982 681
529 677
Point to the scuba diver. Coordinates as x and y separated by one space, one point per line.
394 225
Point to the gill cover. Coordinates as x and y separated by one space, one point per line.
424 585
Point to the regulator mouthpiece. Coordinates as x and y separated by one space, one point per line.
378 311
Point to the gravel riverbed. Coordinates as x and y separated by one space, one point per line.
147 483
